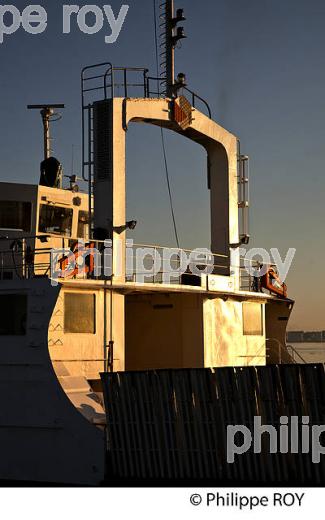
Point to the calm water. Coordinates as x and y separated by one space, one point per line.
310 352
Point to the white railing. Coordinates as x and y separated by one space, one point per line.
20 259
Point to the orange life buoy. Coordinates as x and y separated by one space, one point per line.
272 283
89 265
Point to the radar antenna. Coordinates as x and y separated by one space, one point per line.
51 168
48 115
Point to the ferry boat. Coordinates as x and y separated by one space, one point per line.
59 333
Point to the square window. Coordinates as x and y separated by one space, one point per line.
13 314
83 225
252 319
55 220
15 215
79 313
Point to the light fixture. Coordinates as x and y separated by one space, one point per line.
245 239
43 239
76 201
132 224
179 17
181 79
180 35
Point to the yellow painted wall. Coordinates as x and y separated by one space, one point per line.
225 344
76 354
164 331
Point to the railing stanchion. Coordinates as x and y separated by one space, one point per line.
125 84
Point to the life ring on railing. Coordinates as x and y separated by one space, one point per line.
78 252
271 281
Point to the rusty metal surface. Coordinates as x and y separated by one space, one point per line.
172 424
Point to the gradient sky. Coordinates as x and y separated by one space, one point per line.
261 66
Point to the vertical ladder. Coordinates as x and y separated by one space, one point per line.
88 159
93 87
243 196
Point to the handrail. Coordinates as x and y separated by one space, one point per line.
194 95
256 355
39 258
145 84
20 258
296 353
282 348
156 246
109 70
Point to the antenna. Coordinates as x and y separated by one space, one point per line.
72 159
173 35
48 116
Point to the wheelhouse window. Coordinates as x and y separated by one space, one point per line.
55 220
79 313
13 314
83 225
15 215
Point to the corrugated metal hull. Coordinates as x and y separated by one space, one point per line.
172 424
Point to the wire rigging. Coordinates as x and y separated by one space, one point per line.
163 143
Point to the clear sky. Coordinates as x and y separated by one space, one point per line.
261 66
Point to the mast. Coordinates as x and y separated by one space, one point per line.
172 35
170 49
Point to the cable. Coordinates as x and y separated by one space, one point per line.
163 144
168 186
